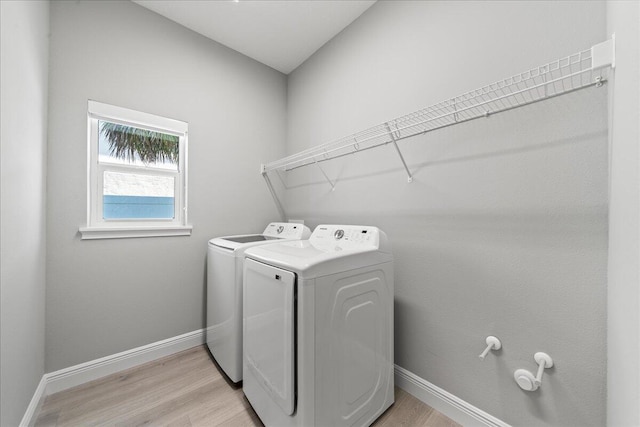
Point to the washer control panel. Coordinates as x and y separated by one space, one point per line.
342 237
287 230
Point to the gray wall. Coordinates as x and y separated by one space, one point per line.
504 229
623 375
23 74
108 296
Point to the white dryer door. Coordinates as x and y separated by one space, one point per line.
269 330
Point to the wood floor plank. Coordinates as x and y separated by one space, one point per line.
181 422
187 390
437 419
130 381
406 411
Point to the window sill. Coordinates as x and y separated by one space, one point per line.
92 233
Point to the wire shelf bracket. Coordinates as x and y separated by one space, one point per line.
395 144
581 70
274 194
333 186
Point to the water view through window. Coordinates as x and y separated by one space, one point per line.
131 196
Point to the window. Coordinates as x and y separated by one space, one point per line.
137 179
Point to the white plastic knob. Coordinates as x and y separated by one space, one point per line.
493 343
525 380
544 361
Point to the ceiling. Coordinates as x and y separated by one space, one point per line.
279 33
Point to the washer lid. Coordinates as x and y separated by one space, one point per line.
249 238
331 248
279 231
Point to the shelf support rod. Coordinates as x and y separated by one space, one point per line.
395 144
333 186
455 110
284 184
281 211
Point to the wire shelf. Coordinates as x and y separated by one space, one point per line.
580 70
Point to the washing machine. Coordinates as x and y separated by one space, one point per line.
225 258
318 328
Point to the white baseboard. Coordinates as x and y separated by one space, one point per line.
53 382
452 406
35 404
72 376
94 369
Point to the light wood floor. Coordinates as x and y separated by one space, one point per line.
186 389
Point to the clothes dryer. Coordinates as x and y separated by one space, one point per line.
318 328
225 258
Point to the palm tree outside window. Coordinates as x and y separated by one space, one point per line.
131 195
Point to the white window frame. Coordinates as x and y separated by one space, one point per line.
99 228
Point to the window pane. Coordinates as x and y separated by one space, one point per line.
134 196
123 144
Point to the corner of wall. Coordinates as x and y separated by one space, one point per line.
24 89
623 335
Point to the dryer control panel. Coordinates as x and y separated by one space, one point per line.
287 230
343 237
